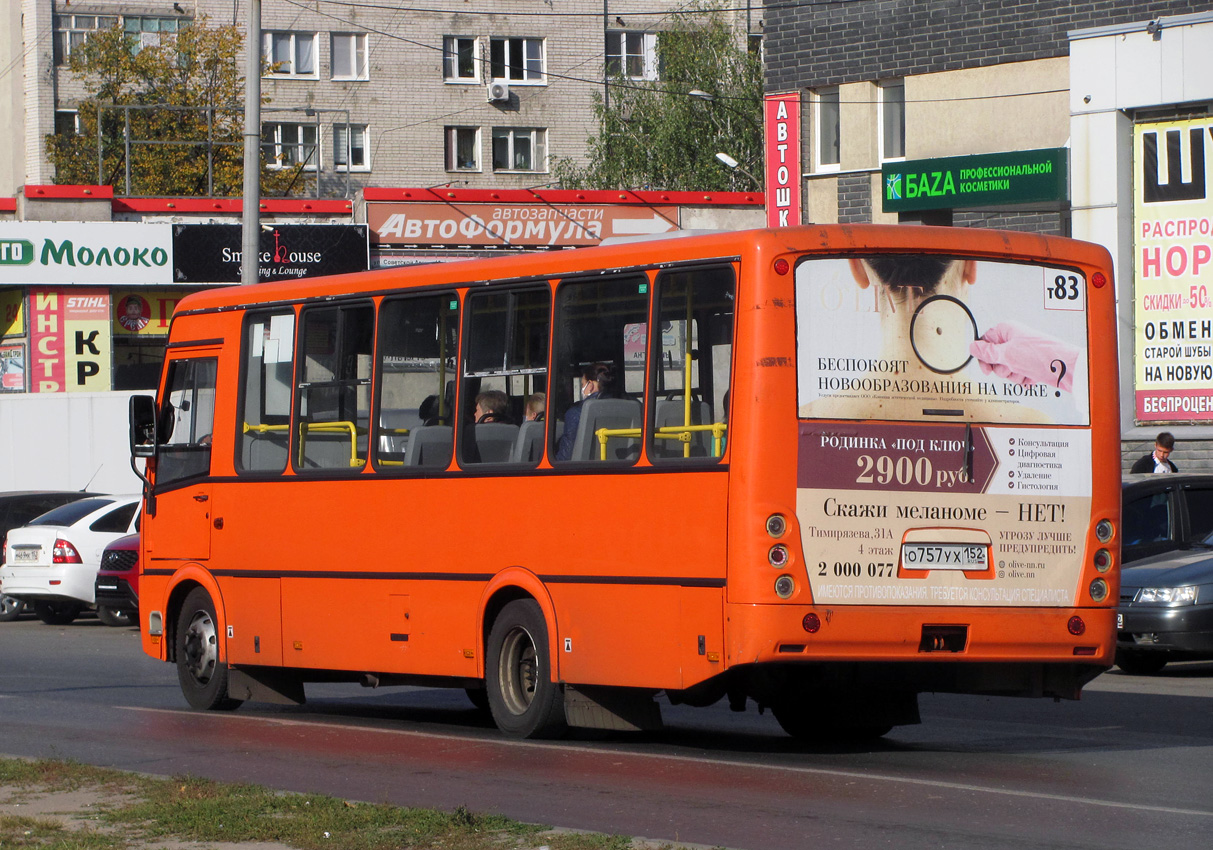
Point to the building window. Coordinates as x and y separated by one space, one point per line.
289 54
349 56
518 60
459 63
893 120
519 149
71 31
632 55
829 143
288 145
146 30
462 148
350 150
67 122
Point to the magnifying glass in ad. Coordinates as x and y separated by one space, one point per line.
941 330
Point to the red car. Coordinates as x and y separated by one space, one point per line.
117 586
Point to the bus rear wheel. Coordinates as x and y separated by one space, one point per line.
523 698
203 676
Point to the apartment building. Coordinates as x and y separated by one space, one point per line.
369 94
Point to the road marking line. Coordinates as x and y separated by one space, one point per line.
815 771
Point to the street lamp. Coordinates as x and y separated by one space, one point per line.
734 165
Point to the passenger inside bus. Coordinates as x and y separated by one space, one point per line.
535 404
492 406
597 381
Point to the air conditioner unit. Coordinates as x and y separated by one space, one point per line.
499 90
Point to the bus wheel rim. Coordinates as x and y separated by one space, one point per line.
201 647
519 671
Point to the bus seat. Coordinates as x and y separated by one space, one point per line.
528 448
429 445
490 442
670 413
391 421
607 413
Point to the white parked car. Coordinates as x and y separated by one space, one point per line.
51 563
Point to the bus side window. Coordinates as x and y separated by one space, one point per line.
505 376
265 395
601 330
694 355
189 410
334 387
418 350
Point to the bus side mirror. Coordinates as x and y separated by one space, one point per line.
143 426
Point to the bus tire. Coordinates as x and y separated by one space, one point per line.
57 613
1140 663
203 676
113 616
523 698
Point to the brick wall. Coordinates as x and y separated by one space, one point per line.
814 44
1047 223
854 198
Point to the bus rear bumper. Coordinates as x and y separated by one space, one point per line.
964 650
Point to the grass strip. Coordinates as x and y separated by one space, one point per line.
129 811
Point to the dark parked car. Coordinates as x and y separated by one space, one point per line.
117 588
16 509
1162 513
1166 583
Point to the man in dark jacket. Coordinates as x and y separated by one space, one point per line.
1158 460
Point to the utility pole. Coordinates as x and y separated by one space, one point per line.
251 204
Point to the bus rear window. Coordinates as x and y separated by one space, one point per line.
937 338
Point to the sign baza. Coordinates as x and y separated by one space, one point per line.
84 252
1017 177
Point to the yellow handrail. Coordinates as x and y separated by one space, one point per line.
335 427
669 432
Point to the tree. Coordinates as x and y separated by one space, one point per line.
666 134
184 123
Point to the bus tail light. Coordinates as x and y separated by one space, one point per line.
1103 560
782 266
1076 626
1099 590
1104 530
811 623
1099 280
776 525
64 553
778 556
785 586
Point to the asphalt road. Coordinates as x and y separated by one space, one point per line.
1129 766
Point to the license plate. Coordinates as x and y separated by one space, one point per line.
20 555
944 556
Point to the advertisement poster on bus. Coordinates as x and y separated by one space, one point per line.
930 338
904 514
1173 271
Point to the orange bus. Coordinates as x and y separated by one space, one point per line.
820 469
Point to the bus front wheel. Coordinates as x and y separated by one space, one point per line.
523 698
202 674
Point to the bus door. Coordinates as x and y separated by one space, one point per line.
181 529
